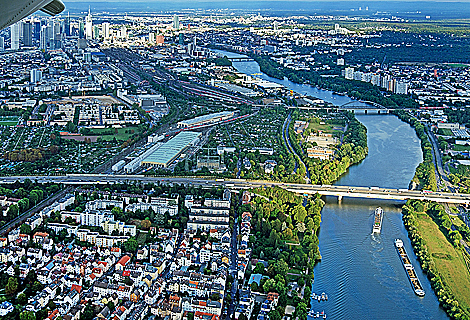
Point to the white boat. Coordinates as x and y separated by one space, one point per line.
378 218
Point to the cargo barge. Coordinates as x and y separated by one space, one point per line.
410 270
379 216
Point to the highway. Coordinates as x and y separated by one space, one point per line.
237 184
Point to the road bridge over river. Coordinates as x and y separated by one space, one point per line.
240 59
238 184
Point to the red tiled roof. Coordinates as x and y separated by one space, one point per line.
124 260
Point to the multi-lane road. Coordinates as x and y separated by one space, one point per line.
327 190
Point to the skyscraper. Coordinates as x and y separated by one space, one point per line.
36 75
89 26
37 30
176 22
57 35
28 34
2 44
67 25
105 29
81 30
15 36
96 32
50 34
124 32
43 38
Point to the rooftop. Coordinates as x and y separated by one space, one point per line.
206 117
169 150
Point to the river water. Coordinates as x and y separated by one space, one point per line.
361 273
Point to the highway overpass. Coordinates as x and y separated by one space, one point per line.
237 184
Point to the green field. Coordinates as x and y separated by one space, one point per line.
449 261
323 127
459 147
142 237
121 135
8 123
458 65
445 132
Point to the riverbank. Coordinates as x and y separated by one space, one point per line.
425 175
366 268
351 150
443 263
284 243
354 89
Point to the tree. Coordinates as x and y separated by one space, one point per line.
11 286
87 313
13 210
25 229
259 268
274 315
22 299
146 223
215 297
269 285
131 245
27 315
111 306
299 213
281 267
37 286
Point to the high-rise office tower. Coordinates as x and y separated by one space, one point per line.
124 32
37 30
43 38
105 29
67 25
2 44
56 35
15 36
89 26
36 75
56 31
176 22
50 34
81 30
28 34
96 32
181 39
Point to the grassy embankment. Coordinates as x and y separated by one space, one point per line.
441 255
449 261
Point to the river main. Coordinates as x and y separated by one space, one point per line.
362 274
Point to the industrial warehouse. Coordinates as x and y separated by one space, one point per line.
206 119
162 156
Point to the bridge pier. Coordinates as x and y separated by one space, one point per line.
340 198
